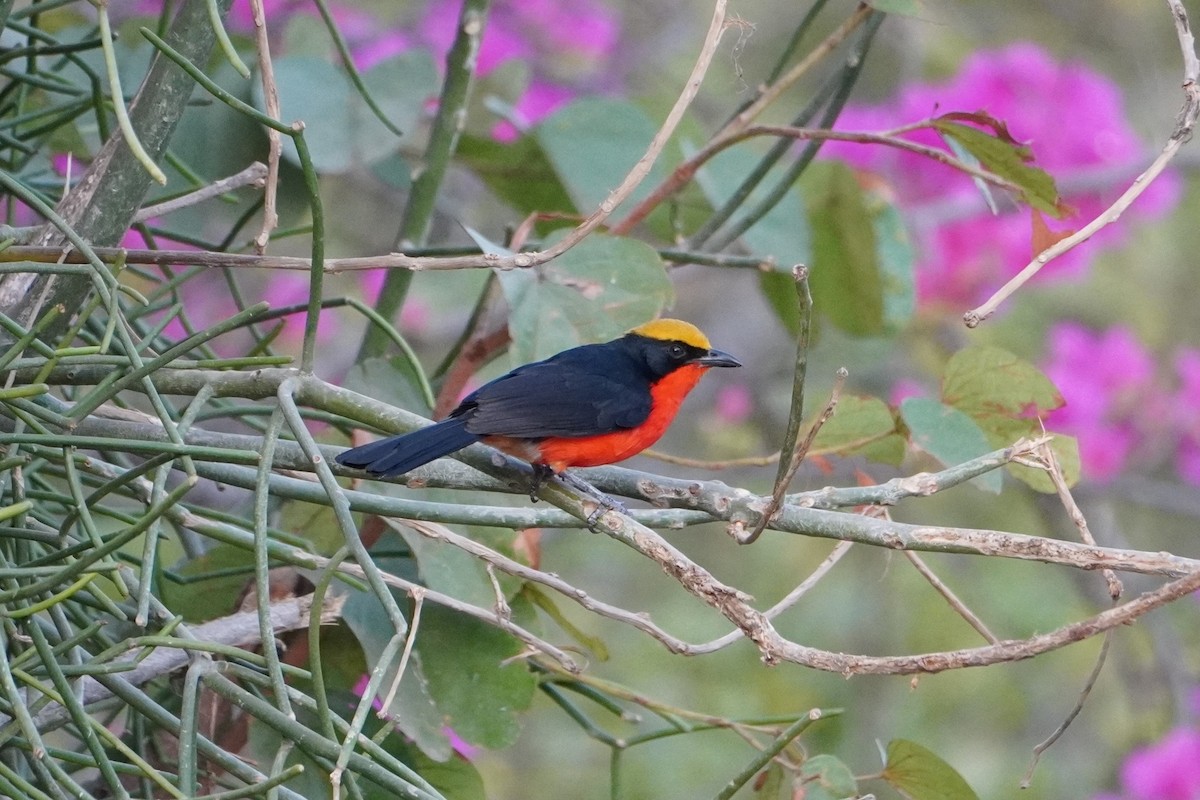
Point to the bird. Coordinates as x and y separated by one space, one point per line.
584 407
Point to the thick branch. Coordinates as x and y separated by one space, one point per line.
101 206
693 501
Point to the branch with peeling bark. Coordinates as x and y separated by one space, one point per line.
682 502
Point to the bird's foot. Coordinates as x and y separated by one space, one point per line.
604 503
541 474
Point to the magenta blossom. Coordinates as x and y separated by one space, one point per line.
291 289
566 46
1166 770
1108 381
539 101
734 403
966 251
1186 407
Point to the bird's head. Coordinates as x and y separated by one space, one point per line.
668 344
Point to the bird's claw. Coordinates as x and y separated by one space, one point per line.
604 504
541 474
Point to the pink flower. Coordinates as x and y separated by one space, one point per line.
361 687
1107 380
206 302
371 281
1185 404
540 100
566 46
379 48
241 17
65 164
502 41
905 388
460 745
416 316
967 251
734 403
1166 770
290 289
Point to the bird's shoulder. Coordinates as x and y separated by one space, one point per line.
583 391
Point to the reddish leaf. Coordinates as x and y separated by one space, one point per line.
999 127
1043 237
1000 153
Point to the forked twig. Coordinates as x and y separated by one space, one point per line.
781 486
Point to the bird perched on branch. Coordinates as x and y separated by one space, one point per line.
590 405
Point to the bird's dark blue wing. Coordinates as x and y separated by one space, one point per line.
575 393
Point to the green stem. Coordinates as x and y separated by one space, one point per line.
339 42
773 749
844 84
100 208
461 63
799 372
310 741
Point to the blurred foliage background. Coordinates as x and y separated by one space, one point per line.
566 98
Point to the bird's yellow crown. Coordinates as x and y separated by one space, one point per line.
673 330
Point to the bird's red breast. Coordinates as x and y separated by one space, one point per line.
608 448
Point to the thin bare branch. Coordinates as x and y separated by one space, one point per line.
1179 137
253 175
274 140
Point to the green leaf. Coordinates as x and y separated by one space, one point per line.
1002 432
213 583
305 34
782 233
592 143
595 291
341 130
1007 159
780 291
392 380
449 569
827 778
1006 396
861 424
545 602
986 380
985 190
464 660
519 173
316 524
845 272
242 139
918 774
495 96
414 711
456 778
948 435
401 86
897 260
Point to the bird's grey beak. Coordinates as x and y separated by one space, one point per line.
717 358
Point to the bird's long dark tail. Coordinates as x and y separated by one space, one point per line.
399 454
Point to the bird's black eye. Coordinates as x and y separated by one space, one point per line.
677 351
